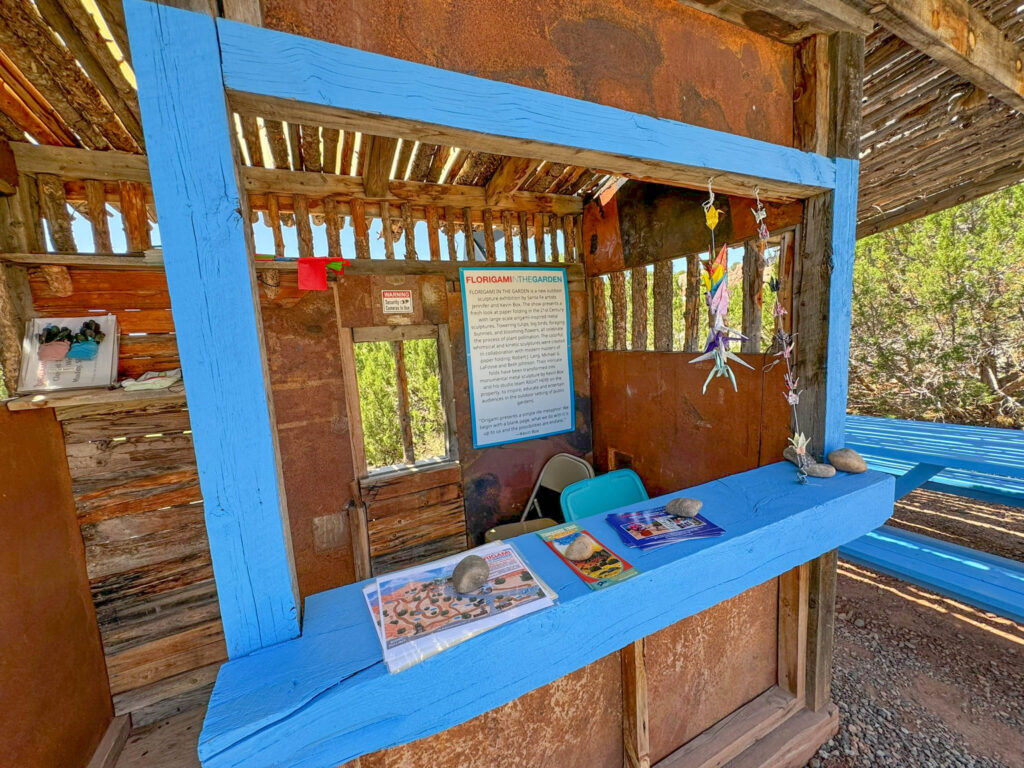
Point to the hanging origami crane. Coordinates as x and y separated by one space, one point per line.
716 293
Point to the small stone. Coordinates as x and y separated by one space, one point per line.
789 454
847 460
684 507
470 574
859 623
579 549
820 470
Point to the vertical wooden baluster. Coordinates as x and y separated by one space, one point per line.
580 247
331 138
618 280
638 296
54 206
506 227
386 232
409 226
693 303
467 228
310 138
278 145
302 227
433 239
274 222
357 210
295 144
569 235
635 729
96 204
449 232
348 146
332 227
597 287
538 236
133 213
753 281
524 246
553 228
489 235
663 296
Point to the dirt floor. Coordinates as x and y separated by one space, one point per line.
921 680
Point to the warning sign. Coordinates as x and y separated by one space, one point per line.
396 302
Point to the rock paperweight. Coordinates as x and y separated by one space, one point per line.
684 507
820 470
470 574
847 460
579 549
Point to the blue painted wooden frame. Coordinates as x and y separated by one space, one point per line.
184 63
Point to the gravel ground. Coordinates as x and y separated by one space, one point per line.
921 680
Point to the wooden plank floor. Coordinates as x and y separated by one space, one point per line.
165 744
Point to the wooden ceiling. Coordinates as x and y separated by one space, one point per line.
930 138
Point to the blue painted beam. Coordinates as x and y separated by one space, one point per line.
188 133
840 302
281 66
915 478
985 581
326 698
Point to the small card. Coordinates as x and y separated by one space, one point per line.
601 568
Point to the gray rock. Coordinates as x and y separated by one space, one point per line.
847 460
790 454
684 507
820 470
470 574
579 549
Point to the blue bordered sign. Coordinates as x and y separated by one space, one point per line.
518 353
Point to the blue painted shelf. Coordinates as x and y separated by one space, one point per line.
326 697
985 581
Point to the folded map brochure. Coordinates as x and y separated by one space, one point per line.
598 567
417 612
653 528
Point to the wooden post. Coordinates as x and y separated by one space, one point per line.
467 229
331 139
303 229
553 228
55 210
663 295
753 283
569 235
310 142
506 228
190 140
638 299
15 310
133 212
278 145
635 736
691 309
792 623
404 418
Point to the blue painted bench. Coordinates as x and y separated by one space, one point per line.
985 581
981 462
326 697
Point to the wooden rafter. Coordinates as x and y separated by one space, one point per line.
23 103
787 20
961 38
510 174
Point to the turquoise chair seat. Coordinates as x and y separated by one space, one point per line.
602 494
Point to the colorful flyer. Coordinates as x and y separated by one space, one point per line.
593 562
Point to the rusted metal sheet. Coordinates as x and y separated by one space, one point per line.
312 430
645 223
574 722
649 413
656 57
709 665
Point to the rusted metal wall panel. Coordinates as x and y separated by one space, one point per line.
709 665
648 406
574 722
308 391
656 57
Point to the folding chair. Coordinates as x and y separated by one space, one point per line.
603 493
559 471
